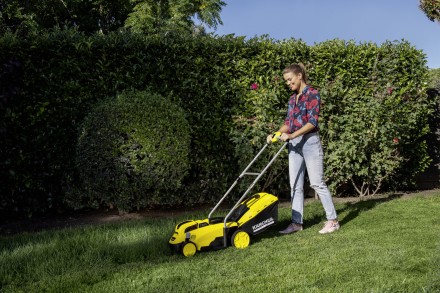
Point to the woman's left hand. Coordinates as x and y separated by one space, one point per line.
285 137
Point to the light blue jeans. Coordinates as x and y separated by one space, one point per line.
306 152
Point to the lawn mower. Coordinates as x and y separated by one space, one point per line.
249 216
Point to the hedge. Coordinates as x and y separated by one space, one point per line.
50 81
132 152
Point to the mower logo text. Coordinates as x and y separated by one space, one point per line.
263 224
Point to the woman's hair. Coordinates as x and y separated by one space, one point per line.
296 69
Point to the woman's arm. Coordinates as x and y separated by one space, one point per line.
303 130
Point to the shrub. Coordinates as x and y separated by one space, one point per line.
49 81
375 114
374 110
132 152
434 78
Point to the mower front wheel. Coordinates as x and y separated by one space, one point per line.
240 239
189 249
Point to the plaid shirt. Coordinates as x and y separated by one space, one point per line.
307 110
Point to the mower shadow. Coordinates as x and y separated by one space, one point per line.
349 212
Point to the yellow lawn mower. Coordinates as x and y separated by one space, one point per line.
249 216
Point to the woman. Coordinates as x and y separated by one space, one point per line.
305 149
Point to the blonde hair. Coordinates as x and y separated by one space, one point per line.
296 69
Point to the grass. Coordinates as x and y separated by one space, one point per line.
387 244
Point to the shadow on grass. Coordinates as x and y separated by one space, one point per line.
350 211
102 245
354 209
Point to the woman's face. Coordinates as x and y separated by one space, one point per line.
293 80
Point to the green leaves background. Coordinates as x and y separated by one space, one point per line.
374 116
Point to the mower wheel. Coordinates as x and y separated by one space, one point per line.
240 239
189 249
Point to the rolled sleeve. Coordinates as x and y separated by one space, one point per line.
313 107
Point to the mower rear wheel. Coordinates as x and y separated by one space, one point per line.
189 249
240 239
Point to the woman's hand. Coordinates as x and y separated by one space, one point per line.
269 138
285 137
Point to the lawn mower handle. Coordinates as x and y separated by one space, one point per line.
225 237
275 138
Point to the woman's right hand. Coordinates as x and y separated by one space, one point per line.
269 138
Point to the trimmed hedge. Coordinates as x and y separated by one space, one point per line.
50 81
132 151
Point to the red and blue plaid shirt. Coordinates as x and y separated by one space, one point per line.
307 110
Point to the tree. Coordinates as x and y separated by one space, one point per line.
431 8
173 15
108 15
434 78
88 16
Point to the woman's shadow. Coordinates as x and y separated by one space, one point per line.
353 209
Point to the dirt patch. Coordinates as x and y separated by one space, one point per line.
105 217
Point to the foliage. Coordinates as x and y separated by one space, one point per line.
105 16
133 151
434 78
433 138
88 16
374 113
51 80
373 117
431 8
42 100
173 15
231 91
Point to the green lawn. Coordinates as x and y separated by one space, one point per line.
385 245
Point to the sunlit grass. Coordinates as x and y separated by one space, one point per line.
385 245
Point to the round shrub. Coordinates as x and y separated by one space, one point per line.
132 152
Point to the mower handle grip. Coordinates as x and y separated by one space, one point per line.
276 136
